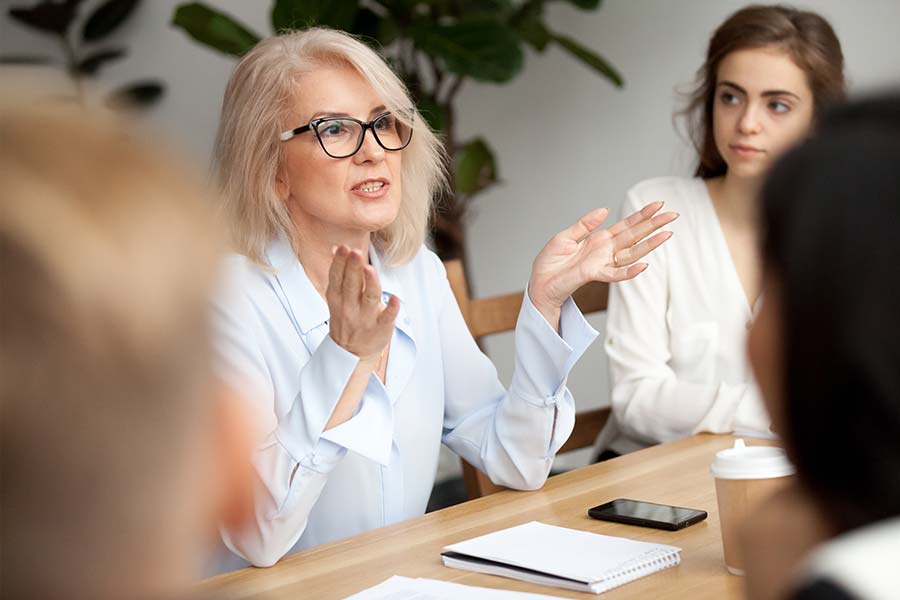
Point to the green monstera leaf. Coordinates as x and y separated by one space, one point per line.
481 48
214 29
476 167
297 14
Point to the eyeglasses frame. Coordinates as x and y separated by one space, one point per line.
313 125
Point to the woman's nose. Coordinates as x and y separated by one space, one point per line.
370 150
749 121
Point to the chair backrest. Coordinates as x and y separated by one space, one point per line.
496 314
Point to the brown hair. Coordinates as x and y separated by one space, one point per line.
806 37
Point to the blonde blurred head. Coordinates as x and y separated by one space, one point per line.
257 108
108 256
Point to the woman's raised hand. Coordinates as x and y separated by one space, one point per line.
359 323
584 253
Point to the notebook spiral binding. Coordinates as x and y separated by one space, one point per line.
637 568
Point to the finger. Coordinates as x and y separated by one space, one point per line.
640 250
336 272
353 276
630 272
586 224
635 234
635 218
390 312
372 290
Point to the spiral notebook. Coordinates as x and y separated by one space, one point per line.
566 558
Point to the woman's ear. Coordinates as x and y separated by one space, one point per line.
282 185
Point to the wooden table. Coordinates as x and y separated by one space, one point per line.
675 473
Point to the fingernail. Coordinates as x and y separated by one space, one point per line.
334 250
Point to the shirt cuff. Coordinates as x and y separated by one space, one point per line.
370 432
322 381
324 457
545 357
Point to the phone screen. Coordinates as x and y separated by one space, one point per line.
647 513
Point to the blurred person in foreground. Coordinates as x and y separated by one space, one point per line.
826 352
120 452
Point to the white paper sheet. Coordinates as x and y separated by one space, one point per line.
405 588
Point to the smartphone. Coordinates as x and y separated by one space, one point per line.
647 514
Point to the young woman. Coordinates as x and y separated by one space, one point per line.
341 326
675 336
826 352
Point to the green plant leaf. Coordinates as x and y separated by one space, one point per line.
481 48
214 29
373 27
106 18
586 4
495 8
404 8
24 59
590 58
91 64
49 17
135 95
297 14
528 23
533 31
476 167
432 113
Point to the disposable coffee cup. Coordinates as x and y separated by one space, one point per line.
745 477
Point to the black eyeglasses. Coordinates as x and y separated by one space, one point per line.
341 137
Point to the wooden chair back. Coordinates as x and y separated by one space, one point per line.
496 314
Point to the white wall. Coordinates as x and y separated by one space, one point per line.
566 140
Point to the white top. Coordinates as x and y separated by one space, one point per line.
378 467
862 561
676 335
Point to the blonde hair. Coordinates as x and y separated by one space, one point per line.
108 256
248 151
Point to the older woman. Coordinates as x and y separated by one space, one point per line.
341 326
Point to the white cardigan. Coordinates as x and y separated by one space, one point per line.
676 335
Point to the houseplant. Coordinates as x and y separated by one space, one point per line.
85 51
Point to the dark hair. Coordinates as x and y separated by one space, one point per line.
830 214
806 37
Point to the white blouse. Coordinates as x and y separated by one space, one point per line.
379 467
862 562
676 335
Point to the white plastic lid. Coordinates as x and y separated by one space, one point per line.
751 462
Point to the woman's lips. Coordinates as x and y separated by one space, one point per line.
371 189
746 151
